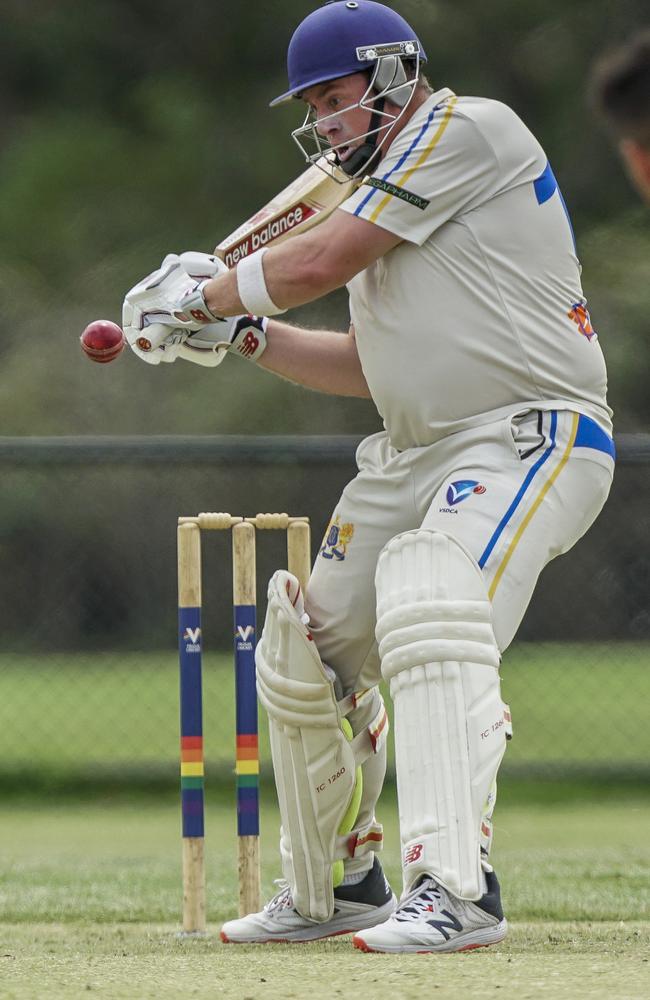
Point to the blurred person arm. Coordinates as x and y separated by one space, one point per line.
620 94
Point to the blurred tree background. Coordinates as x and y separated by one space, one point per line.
130 128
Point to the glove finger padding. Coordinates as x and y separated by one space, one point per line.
201 265
165 316
155 299
168 342
209 356
146 328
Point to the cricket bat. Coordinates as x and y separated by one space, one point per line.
308 200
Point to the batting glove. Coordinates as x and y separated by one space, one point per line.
165 316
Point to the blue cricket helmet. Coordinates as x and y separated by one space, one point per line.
341 38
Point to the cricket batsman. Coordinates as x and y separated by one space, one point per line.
470 332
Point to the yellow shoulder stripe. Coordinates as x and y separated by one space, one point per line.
424 155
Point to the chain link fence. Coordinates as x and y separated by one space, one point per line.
88 668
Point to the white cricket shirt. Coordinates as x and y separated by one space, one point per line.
480 312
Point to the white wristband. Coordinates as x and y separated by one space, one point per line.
251 286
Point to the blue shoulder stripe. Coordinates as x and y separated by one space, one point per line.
401 161
545 185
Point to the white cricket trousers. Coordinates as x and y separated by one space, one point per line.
516 493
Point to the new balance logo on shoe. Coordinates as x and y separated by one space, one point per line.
430 919
452 923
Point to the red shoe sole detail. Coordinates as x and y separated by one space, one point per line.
363 946
227 940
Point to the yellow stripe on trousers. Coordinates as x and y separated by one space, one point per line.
526 521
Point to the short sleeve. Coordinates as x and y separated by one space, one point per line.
434 171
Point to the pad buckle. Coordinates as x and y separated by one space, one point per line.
360 842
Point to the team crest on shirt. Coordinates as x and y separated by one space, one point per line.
337 538
580 316
459 491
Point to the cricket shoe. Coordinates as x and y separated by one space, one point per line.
430 919
364 904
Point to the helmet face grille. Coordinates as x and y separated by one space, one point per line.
388 83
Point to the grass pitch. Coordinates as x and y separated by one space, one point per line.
90 904
126 962
90 889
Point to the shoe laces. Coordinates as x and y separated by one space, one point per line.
282 899
424 899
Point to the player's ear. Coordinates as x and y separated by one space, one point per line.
637 160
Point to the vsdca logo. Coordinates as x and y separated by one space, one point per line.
192 640
462 489
244 637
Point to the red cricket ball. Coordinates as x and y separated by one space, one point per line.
102 341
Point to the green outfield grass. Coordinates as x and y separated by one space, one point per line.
90 905
573 706
90 888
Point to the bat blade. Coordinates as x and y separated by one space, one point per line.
308 200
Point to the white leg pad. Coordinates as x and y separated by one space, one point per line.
313 760
440 657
